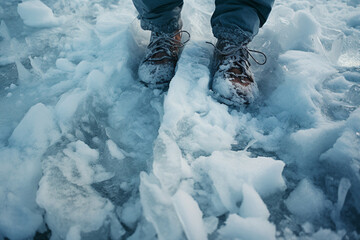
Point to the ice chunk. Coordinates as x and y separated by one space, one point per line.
65 65
35 13
68 104
96 80
349 57
74 233
338 84
307 202
116 229
352 76
344 187
300 5
36 130
295 30
4 31
110 27
354 20
115 151
336 49
23 73
167 162
80 166
308 227
252 204
108 24
189 215
327 234
130 213
72 209
309 144
211 224
83 68
344 156
353 95
237 227
36 66
144 231
297 96
158 209
19 176
229 170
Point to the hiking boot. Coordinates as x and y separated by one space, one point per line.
158 67
233 83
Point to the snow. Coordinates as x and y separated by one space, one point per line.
88 152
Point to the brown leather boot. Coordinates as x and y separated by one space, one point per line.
158 67
233 82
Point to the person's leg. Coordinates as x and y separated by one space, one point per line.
159 15
239 20
234 24
162 18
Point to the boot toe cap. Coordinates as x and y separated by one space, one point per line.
154 74
233 93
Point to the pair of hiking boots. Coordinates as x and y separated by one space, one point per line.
232 81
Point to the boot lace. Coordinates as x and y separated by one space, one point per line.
161 42
237 57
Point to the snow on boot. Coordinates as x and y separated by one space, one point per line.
233 83
158 67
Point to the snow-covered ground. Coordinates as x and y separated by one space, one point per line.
87 152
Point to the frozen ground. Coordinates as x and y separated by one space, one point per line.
87 152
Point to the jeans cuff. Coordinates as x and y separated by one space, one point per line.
235 35
170 27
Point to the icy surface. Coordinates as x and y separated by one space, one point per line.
88 152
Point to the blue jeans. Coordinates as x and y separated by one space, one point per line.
235 20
